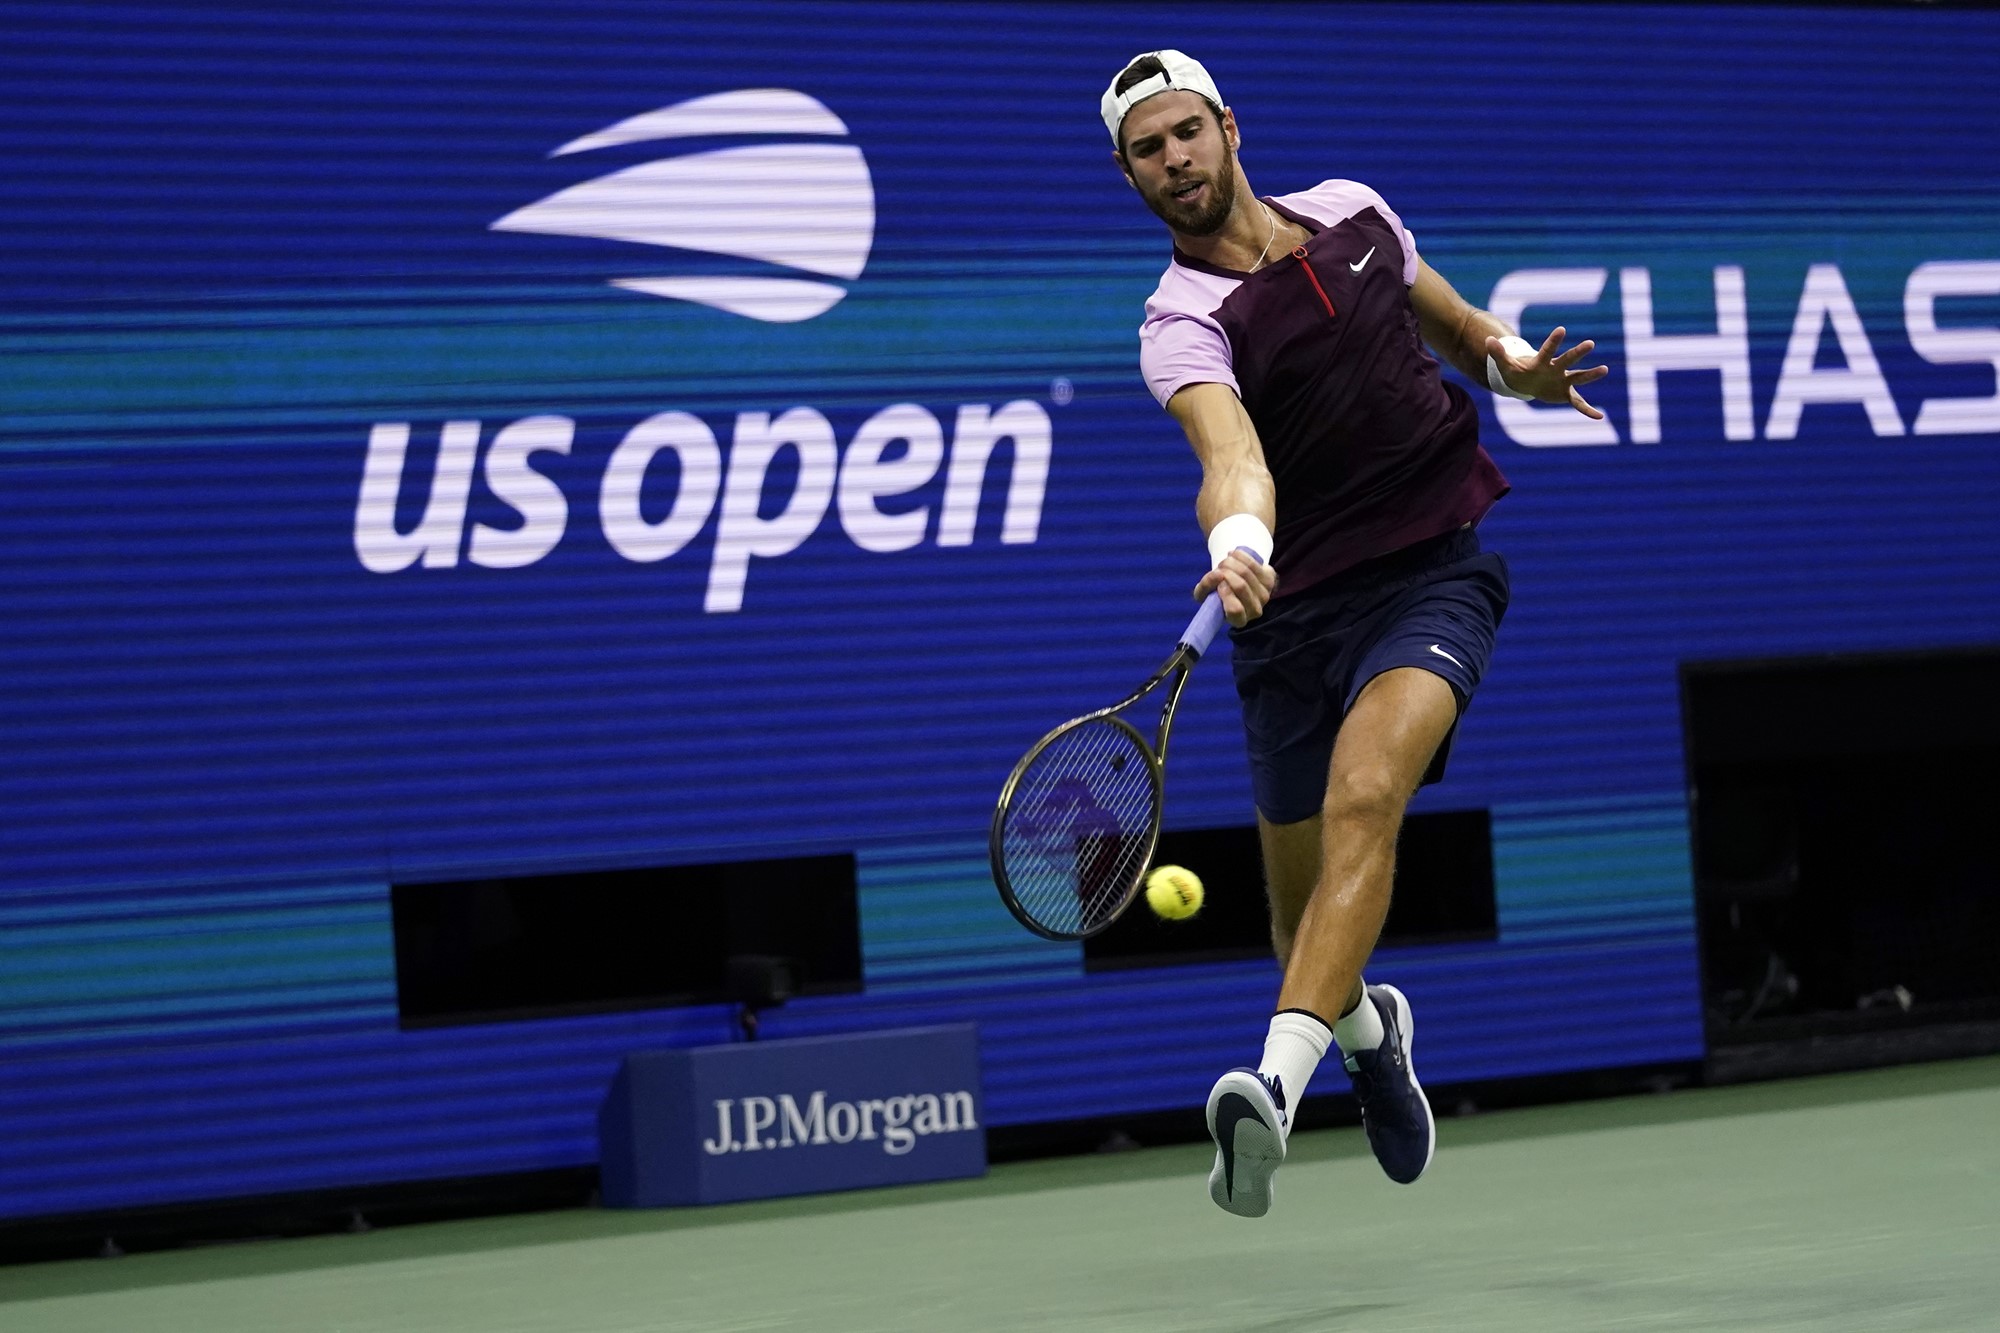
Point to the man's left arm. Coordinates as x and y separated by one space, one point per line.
1467 336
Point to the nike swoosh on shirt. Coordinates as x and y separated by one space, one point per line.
1362 262
1448 657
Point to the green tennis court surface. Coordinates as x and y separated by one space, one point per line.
1863 1201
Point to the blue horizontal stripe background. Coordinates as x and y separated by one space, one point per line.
237 237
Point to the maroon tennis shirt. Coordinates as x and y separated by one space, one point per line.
1371 449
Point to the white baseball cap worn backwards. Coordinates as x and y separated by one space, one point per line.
1184 73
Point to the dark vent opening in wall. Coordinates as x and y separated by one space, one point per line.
1847 879
481 950
1443 893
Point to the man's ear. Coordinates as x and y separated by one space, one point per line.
1230 132
1123 170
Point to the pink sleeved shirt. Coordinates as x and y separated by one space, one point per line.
1181 344
1370 447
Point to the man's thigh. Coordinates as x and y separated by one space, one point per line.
1397 723
1386 742
1300 675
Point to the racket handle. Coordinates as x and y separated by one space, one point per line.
1208 621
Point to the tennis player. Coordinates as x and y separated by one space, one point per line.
1287 338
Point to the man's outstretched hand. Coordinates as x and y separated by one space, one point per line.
1550 377
1245 585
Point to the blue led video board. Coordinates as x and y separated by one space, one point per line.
439 442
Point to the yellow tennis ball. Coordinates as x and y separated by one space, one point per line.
1173 892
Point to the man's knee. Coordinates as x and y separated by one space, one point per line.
1386 742
1372 794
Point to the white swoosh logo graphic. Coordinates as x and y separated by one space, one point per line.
1362 262
1445 655
805 206
773 300
744 111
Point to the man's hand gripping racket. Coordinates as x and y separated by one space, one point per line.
1080 814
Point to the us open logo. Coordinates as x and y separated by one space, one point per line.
804 206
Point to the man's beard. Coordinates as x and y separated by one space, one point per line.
1207 219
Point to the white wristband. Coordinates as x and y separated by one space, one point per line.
1239 530
1521 350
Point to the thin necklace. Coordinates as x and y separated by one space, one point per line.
1268 239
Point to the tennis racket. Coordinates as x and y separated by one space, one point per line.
1079 817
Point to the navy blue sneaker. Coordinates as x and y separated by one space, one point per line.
1394 1110
1246 1118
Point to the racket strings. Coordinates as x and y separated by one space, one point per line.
1078 830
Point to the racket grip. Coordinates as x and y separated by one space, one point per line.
1208 621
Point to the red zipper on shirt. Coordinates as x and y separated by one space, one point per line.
1299 253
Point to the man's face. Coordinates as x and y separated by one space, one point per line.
1181 161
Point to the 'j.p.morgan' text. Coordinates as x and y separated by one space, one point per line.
896 1122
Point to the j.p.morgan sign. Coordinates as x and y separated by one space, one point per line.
781 1122
754 1120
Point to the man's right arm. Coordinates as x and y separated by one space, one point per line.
1234 480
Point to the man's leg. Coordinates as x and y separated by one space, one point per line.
1329 879
1291 868
1389 729
1385 744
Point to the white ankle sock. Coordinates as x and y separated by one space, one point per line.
1292 1050
1360 1028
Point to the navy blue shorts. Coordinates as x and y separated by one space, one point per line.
1300 666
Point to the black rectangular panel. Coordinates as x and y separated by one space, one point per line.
1845 870
475 950
1443 892
1792 709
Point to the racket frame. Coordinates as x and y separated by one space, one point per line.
1194 641
1178 665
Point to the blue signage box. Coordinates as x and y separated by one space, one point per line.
755 1120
